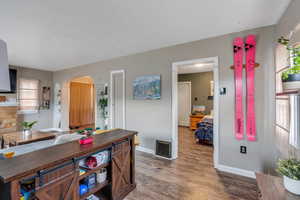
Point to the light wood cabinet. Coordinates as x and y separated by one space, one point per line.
81 104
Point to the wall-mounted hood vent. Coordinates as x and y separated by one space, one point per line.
4 72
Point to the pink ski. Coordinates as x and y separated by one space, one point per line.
238 46
250 47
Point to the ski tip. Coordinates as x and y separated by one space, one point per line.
238 41
239 137
251 39
251 138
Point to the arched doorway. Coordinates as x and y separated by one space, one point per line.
82 103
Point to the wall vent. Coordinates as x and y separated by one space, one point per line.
163 148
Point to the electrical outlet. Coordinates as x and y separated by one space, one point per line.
243 149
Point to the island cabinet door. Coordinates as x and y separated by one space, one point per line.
122 169
59 183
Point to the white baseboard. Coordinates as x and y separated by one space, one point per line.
145 150
237 171
224 168
150 151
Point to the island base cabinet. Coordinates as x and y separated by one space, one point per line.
122 169
67 176
65 189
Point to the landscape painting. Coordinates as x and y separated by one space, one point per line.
147 87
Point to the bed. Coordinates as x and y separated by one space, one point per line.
204 132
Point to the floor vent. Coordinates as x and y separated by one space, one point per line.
163 148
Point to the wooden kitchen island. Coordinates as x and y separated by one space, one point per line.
55 171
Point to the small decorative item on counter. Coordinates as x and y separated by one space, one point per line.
8 154
92 197
27 126
86 140
290 170
87 132
101 175
90 181
83 189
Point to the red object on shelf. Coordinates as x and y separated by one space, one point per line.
88 140
91 162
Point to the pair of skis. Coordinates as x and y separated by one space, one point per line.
250 48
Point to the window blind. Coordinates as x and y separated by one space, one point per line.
29 94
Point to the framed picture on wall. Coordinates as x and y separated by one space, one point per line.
45 104
147 87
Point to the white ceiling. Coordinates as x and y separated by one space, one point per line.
57 34
195 68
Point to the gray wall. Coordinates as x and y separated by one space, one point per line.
288 26
200 88
44 117
152 119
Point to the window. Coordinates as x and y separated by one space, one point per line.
29 95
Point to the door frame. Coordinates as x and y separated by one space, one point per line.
111 118
175 65
189 83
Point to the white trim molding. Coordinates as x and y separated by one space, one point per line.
215 61
145 150
150 151
237 171
111 97
189 83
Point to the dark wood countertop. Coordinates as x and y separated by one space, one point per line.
27 164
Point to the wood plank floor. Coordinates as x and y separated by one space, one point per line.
190 177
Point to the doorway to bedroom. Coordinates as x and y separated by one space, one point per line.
195 108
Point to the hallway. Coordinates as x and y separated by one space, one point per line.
190 177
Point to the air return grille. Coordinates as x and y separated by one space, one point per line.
163 148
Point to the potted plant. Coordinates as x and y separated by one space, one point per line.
290 170
103 103
27 126
291 77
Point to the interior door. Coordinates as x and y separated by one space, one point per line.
81 104
184 103
118 99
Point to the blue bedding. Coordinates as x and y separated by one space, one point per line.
204 132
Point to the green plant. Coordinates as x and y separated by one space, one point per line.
295 56
103 103
28 125
289 168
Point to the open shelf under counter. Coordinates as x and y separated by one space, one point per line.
91 171
101 195
94 190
